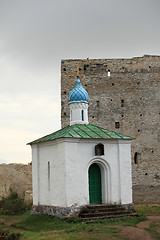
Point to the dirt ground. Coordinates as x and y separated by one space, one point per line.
138 232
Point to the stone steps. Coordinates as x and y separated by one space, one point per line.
109 216
102 211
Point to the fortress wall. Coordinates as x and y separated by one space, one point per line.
128 102
17 177
136 81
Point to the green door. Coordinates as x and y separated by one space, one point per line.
95 195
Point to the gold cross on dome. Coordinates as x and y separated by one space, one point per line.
77 64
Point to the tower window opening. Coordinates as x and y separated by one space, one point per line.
99 149
109 73
136 158
97 103
122 103
82 115
85 66
117 125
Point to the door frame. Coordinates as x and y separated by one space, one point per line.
105 179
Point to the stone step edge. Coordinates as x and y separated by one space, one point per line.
110 216
103 205
105 213
106 209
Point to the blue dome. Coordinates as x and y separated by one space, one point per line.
78 93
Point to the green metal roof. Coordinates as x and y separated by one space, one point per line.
87 131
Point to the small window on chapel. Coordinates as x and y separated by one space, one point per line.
99 149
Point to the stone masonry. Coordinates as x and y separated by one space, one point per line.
17 177
124 96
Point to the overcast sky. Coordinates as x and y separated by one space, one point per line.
36 34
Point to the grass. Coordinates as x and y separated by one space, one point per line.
45 228
65 231
148 209
154 210
13 204
155 230
47 223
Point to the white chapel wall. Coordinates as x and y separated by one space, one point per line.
35 174
55 194
80 155
69 161
125 171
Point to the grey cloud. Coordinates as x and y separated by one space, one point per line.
36 34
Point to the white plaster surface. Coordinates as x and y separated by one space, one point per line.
70 160
76 113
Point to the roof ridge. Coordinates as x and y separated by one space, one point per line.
86 131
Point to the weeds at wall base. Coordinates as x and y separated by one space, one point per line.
13 205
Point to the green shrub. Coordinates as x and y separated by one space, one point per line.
7 235
12 205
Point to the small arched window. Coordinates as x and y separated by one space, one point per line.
99 149
82 115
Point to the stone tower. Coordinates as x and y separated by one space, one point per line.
124 96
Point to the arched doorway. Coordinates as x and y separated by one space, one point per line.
95 192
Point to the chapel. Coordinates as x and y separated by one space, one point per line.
80 164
